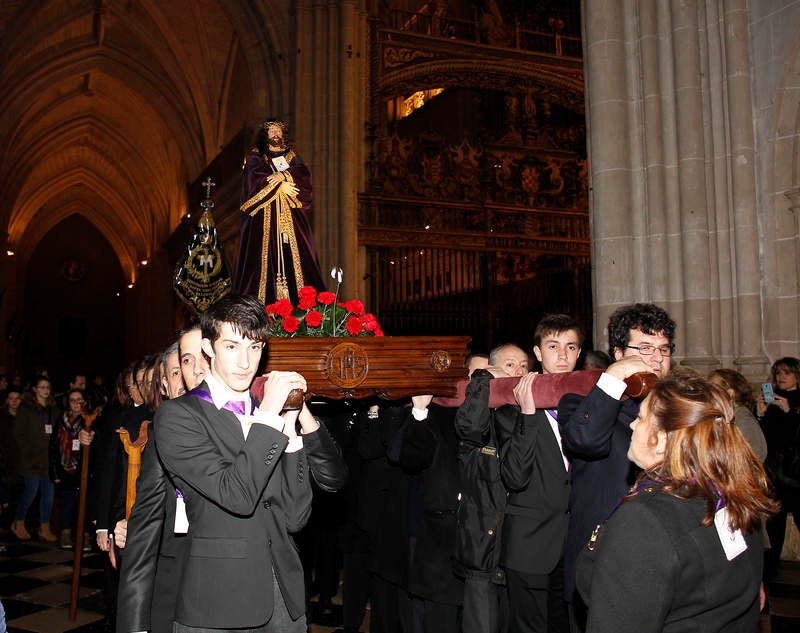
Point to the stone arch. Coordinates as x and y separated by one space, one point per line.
555 84
95 146
123 242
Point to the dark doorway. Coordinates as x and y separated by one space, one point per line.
74 320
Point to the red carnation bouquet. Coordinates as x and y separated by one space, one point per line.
320 314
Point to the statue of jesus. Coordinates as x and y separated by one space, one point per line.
277 255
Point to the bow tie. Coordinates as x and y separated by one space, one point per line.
235 406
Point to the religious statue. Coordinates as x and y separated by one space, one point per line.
277 255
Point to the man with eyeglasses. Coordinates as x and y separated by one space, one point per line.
596 433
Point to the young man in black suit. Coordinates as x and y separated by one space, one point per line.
242 471
536 475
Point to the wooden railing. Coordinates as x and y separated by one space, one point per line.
470 31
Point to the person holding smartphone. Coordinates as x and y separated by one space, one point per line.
780 421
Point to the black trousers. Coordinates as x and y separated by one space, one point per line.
536 602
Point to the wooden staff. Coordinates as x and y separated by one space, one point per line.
88 418
134 451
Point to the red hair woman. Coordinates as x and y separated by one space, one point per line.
683 552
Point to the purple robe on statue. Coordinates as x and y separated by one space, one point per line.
277 255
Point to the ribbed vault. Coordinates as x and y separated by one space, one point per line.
108 109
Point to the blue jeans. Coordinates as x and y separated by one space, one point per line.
46 489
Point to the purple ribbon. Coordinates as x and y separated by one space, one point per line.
234 406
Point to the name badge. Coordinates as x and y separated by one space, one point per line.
76 445
48 428
732 541
280 163
181 520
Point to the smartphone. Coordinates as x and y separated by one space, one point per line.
766 389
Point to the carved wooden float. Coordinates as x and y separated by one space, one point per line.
390 367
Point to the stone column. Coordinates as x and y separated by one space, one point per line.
750 358
330 111
669 120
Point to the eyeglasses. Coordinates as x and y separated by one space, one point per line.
649 350
78 401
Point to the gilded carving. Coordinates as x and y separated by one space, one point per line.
394 56
347 365
440 361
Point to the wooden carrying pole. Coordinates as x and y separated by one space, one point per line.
88 419
134 451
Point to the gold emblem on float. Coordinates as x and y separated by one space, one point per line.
440 361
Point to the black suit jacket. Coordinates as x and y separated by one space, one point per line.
242 497
533 471
595 434
151 570
154 555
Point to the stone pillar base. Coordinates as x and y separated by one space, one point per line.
754 368
702 366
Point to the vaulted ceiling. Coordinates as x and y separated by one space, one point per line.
108 108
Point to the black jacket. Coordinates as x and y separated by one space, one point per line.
595 434
482 501
782 432
243 497
537 512
429 449
655 568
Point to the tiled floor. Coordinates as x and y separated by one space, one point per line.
784 597
35 586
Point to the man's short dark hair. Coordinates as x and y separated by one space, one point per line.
245 314
596 359
74 377
647 317
469 358
191 326
555 324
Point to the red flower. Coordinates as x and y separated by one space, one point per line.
290 324
326 298
378 333
370 322
307 297
354 306
314 318
354 326
282 308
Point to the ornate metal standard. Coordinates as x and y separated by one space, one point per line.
202 277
